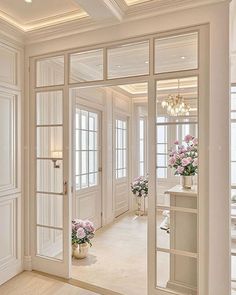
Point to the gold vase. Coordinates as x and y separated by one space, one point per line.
139 212
80 251
186 182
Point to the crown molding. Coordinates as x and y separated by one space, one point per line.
12 33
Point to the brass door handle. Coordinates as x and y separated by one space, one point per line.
65 187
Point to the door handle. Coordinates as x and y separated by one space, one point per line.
65 187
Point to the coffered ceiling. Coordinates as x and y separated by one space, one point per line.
39 14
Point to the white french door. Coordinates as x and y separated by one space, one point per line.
121 172
87 162
50 169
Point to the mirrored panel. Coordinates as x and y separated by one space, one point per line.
176 53
50 242
173 269
128 60
86 66
50 210
50 71
49 106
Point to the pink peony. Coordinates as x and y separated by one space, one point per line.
188 138
180 169
195 162
186 161
176 142
195 141
89 226
81 233
171 161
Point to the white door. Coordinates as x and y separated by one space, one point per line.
50 169
121 172
88 192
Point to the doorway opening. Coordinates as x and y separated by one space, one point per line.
110 140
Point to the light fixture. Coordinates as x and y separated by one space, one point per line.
175 105
28 1
146 62
183 57
56 155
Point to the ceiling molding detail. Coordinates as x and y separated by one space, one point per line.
116 11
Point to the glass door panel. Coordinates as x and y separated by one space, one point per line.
177 207
49 180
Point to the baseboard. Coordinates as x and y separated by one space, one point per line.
27 265
10 270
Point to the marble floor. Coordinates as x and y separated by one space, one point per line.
118 258
32 283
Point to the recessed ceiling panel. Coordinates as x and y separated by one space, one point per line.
133 2
39 12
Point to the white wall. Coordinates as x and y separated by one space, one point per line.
217 16
11 79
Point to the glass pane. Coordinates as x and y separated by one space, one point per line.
177 99
49 142
84 181
50 71
233 141
84 140
50 242
84 161
128 60
93 179
177 230
50 210
233 268
233 101
233 173
176 273
49 108
86 66
49 177
176 53
93 121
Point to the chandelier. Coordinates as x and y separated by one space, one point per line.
176 105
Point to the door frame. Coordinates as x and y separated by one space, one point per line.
151 80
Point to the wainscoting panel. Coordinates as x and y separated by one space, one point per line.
11 61
8 61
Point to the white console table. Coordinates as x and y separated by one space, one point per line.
183 240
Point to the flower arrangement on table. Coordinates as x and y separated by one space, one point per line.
139 188
82 233
183 158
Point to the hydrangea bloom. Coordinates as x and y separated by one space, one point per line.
184 158
82 231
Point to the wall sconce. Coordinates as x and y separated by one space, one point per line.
56 155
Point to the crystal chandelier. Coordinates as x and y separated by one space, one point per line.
176 105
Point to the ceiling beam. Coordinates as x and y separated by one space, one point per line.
102 9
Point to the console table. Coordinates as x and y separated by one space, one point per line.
183 240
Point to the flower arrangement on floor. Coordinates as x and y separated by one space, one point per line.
82 233
183 158
139 188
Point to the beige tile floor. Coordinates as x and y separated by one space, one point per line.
31 283
117 260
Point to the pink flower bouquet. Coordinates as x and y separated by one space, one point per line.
184 158
82 231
